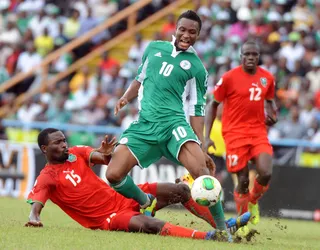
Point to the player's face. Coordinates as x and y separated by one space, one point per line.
187 33
57 148
249 57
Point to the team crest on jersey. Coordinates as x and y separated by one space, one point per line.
263 81
185 64
72 158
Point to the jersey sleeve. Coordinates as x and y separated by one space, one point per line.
220 90
198 90
41 190
271 90
143 66
85 153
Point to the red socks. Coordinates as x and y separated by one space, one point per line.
200 211
257 191
177 231
241 201
255 194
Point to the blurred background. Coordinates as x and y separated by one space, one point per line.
64 64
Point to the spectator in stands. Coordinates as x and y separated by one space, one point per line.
205 15
241 28
29 111
38 23
222 25
64 61
3 135
88 23
130 117
54 20
83 77
11 34
58 113
107 119
314 75
84 89
72 25
44 43
82 7
313 137
26 61
104 9
22 20
292 128
137 49
4 75
293 51
12 60
90 115
112 81
302 14
4 7
269 64
107 64
308 113
204 46
169 27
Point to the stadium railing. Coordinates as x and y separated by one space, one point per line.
129 12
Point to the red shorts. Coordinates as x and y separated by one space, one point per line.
120 219
240 150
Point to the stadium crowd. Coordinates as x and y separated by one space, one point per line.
288 31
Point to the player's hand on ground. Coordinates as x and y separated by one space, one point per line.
107 146
33 224
210 164
120 104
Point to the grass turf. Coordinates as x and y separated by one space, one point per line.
60 232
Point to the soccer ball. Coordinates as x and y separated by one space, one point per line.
206 190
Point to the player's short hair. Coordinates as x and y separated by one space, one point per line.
43 136
190 14
250 42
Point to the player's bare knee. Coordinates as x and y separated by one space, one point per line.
264 178
113 176
183 192
243 183
152 226
265 172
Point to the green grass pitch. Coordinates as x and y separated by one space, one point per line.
60 232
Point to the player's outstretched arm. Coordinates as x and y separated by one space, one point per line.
211 114
128 96
103 154
34 217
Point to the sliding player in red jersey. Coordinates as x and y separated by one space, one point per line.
243 91
68 181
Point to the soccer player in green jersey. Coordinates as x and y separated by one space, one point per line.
170 73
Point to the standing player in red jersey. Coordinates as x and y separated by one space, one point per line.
68 181
243 91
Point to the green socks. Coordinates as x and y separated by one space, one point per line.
127 188
218 215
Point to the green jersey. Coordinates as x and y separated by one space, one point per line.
168 79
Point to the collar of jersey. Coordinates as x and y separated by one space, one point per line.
190 49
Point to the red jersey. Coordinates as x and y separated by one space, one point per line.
77 190
243 98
